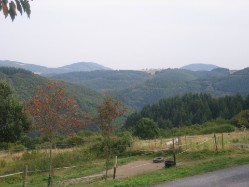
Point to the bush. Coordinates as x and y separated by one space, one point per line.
3 145
218 129
146 129
28 142
16 148
217 126
119 143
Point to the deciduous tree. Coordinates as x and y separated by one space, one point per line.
107 112
54 113
13 119
146 129
241 120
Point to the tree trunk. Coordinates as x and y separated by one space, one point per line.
50 176
107 153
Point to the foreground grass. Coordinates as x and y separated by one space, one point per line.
189 164
39 179
200 158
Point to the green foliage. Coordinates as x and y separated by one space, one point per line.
12 8
13 120
3 145
217 129
118 144
188 109
146 129
5 90
10 71
241 119
138 89
215 126
28 142
16 148
105 80
24 83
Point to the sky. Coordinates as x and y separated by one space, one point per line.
129 34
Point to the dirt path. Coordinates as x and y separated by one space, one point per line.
124 171
136 168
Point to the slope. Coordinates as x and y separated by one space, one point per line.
137 89
24 82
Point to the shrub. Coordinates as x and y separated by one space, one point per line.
119 143
28 142
146 129
218 129
16 147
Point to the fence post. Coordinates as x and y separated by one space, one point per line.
174 154
215 141
179 142
222 141
161 143
115 167
25 173
186 142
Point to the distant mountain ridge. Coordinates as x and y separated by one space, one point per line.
200 67
137 89
76 67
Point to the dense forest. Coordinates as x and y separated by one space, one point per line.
137 89
24 82
105 81
190 109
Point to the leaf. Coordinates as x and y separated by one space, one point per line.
28 11
19 7
23 5
5 9
12 10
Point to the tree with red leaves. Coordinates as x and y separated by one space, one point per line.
107 112
54 113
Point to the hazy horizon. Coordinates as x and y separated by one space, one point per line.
129 34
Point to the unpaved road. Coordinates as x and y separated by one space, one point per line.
232 177
136 168
124 171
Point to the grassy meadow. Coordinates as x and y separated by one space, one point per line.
195 154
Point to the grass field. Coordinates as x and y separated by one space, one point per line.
195 154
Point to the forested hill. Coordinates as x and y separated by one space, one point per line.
190 109
110 81
80 66
24 82
137 89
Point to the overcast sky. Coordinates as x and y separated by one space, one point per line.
130 34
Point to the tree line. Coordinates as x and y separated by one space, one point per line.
189 109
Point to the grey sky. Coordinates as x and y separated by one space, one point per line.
130 34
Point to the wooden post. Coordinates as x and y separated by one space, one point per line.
115 167
186 142
179 142
25 174
215 141
222 141
174 154
161 143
